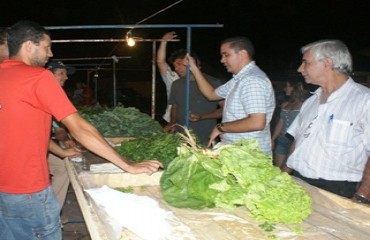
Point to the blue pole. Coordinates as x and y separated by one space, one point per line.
187 85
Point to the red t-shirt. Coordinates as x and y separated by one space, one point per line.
29 96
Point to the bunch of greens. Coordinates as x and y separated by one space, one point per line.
158 146
90 110
122 122
234 175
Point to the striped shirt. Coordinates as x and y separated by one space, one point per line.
250 91
333 139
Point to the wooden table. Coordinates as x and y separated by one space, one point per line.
333 217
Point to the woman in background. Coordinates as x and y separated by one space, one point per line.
281 142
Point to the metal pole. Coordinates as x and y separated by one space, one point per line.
114 84
153 78
110 40
187 88
96 87
135 26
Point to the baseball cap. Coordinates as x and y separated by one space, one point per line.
52 65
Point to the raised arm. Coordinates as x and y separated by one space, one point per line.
205 87
162 52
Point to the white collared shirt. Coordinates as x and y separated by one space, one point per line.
333 138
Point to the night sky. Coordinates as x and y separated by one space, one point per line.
278 28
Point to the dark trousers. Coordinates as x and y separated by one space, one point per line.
342 188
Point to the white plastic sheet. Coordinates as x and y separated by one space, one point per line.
140 214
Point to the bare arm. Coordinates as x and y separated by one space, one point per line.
161 53
57 150
89 137
170 127
364 189
216 114
278 128
254 122
61 135
205 87
284 167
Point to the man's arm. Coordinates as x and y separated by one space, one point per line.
62 136
170 127
161 53
89 137
216 114
364 189
57 150
254 122
205 87
284 167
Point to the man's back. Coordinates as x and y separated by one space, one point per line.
198 105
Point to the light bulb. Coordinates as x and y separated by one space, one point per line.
130 41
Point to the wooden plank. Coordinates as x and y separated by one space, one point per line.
92 223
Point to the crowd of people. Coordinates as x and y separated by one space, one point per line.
321 137
324 138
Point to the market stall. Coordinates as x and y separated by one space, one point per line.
333 217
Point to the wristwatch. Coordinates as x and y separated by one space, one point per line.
220 127
360 198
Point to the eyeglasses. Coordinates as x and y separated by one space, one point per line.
307 133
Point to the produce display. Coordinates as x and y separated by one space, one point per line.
121 121
158 146
234 175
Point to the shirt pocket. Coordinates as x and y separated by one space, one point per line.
339 132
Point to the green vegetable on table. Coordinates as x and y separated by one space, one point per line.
158 146
121 122
234 175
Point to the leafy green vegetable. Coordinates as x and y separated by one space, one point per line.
234 175
121 122
158 146
185 183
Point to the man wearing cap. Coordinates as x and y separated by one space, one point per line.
60 179
60 71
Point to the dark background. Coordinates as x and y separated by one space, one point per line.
278 28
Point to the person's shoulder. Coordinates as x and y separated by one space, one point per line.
177 82
212 79
361 88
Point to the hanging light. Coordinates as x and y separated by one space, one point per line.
129 39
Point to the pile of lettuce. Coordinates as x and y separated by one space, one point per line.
234 175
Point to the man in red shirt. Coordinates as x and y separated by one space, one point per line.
29 97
